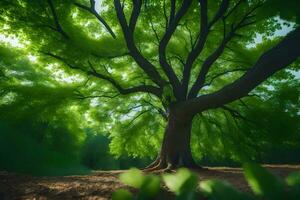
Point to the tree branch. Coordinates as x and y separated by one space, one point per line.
199 83
141 88
163 45
172 11
204 30
111 56
137 5
154 30
234 113
58 28
93 11
233 8
165 14
224 73
128 31
198 47
222 10
275 59
137 116
81 96
158 109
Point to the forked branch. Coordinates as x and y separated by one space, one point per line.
93 11
141 88
210 60
275 59
128 31
223 74
163 45
58 26
204 31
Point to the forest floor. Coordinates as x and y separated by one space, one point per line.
101 184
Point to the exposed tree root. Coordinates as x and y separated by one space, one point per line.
160 165
153 164
157 165
158 169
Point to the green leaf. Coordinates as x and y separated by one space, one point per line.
122 194
263 183
150 187
133 178
183 183
221 190
293 179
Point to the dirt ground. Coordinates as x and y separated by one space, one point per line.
101 184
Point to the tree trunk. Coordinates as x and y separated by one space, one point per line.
176 149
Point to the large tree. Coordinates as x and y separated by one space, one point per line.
178 58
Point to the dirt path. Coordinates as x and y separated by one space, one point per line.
101 184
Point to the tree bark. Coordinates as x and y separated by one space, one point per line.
176 149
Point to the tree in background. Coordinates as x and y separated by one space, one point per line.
162 66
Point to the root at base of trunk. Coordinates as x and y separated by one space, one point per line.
158 164
162 165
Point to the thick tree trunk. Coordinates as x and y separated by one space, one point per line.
176 149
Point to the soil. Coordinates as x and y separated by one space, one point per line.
101 184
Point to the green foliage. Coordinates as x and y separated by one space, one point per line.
149 186
222 190
263 183
122 194
168 95
24 150
258 124
133 178
95 153
184 184
288 10
293 180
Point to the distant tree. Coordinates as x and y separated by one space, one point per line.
174 60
